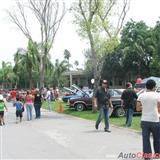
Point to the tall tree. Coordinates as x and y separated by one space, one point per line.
49 14
94 18
155 65
76 63
59 69
27 60
6 75
137 48
67 56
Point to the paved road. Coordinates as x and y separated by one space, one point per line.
57 136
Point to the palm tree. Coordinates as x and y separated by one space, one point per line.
76 63
7 74
26 61
59 69
67 56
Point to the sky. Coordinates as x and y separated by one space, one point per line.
66 38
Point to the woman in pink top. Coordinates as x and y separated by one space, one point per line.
29 105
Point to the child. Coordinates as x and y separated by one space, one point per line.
2 106
19 109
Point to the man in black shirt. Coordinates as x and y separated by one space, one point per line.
37 103
102 98
129 97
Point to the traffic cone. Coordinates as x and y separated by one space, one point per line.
60 107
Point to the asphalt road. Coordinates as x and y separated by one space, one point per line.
57 136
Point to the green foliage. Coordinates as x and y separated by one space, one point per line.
113 66
26 64
67 54
138 53
137 48
7 76
86 25
76 63
57 78
155 65
95 23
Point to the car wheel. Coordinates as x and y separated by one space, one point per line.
80 107
119 112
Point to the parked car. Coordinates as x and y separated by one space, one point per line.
71 94
84 103
141 86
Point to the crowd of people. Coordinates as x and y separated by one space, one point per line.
28 100
148 103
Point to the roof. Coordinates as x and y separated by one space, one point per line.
156 79
74 73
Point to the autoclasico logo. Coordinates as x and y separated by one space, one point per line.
138 155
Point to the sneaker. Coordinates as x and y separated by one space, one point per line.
107 130
96 126
3 123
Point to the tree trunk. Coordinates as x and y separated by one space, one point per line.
42 65
41 72
30 79
96 73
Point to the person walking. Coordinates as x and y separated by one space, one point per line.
37 103
29 105
149 103
19 109
103 102
13 94
2 108
129 98
48 99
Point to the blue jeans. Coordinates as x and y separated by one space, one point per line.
49 104
29 111
147 129
129 116
103 113
37 107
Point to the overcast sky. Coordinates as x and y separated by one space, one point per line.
67 38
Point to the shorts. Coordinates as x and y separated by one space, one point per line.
19 114
1 113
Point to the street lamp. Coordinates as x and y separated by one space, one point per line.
92 82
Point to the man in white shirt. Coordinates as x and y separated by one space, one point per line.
48 99
149 103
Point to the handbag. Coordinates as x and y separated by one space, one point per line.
22 108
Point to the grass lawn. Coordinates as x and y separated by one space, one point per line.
93 116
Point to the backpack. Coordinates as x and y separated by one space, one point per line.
20 106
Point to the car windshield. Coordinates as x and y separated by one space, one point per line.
79 93
112 92
115 93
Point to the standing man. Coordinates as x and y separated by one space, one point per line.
129 97
48 99
37 103
149 103
103 101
